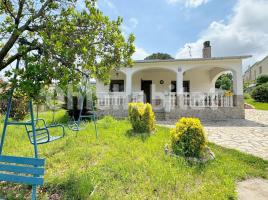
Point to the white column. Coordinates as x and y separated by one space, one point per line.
179 81
128 84
238 87
179 87
238 82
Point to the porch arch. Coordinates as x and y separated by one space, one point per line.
156 75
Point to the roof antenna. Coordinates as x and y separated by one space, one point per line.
190 50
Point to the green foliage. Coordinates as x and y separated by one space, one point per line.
19 102
141 117
262 79
188 138
225 82
55 37
160 56
247 96
260 93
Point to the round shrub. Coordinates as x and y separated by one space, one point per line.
262 79
188 138
141 117
260 93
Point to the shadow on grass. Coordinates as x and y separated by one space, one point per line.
76 186
132 134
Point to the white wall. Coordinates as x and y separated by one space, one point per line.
155 76
100 87
199 80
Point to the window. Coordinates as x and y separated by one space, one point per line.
255 75
186 86
260 70
117 86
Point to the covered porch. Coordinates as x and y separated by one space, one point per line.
173 86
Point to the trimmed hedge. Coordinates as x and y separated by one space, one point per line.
141 117
260 93
262 79
188 138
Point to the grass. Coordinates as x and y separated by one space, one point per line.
120 165
257 105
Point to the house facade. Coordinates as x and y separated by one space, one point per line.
259 68
176 88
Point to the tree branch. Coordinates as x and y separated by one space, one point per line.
16 56
21 4
17 32
8 10
37 15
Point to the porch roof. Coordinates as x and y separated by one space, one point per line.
195 59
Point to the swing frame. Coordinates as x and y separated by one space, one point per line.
75 125
31 168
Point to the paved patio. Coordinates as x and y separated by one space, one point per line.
249 135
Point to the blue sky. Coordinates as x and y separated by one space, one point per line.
234 27
160 26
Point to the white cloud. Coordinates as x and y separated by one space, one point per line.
189 3
246 32
130 25
111 6
133 22
140 53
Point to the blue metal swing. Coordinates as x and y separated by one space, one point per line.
78 125
23 170
43 131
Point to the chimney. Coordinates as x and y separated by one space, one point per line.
207 50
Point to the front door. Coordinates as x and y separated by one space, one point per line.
146 88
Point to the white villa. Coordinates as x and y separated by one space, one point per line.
176 88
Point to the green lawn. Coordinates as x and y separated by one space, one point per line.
257 105
119 165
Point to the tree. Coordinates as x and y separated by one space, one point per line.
262 79
160 56
225 82
55 41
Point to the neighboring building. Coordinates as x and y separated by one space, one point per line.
176 88
259 68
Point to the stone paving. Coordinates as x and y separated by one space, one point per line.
253 189
249 135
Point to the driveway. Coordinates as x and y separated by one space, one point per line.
249 135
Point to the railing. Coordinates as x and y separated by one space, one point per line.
137 97
207 100
200 100
107 100
170 101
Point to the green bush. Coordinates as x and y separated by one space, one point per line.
262 79
247 96
20 102
141 117
188 138
260 93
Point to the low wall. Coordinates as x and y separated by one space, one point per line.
117 113
208 113
175 114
